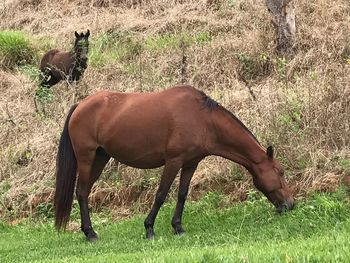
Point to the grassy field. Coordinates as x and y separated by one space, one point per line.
316 231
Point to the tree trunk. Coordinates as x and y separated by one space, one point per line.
284 21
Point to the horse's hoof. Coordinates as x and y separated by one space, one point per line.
92 237
179 231
150 234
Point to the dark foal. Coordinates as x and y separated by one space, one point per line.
176 128
59 65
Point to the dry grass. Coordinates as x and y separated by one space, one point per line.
302 102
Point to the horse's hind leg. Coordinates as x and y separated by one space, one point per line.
171 168
89 168
185 179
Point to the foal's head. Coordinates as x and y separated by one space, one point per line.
81 45
268 178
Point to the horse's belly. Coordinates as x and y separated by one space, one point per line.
137 144
138 158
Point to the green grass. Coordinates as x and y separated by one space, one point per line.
113 46
316 231
15 49
158 43
124 47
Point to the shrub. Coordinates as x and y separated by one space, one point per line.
15 49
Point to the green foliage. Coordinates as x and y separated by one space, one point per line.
44 95
316 231
31 71
149 179
45 210
291 116
15 49
20 155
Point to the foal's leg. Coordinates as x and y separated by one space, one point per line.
47 78
89 171
185 179
171 168
49 81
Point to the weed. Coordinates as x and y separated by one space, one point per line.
149 179
44 95
45 211
291 118
30 71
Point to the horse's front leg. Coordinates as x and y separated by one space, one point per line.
171 168
185 179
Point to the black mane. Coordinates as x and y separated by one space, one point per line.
209 102
212 104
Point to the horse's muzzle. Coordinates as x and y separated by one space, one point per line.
286 205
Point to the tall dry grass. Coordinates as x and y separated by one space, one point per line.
300 104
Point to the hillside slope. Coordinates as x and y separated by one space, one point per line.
226 49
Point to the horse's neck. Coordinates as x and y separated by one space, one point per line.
80 61
80 57
233 141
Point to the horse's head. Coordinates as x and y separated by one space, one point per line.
268 178
81 45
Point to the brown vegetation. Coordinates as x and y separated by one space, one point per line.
300 104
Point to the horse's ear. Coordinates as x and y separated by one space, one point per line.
76 34
269 152
87 33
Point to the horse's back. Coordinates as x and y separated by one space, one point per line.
140 129
58 61
47 58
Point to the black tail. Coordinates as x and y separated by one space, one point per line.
66 174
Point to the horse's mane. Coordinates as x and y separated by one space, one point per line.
212 104
209 102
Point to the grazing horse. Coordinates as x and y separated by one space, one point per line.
59 65
177 128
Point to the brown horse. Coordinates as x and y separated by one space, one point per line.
176 128
59 65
